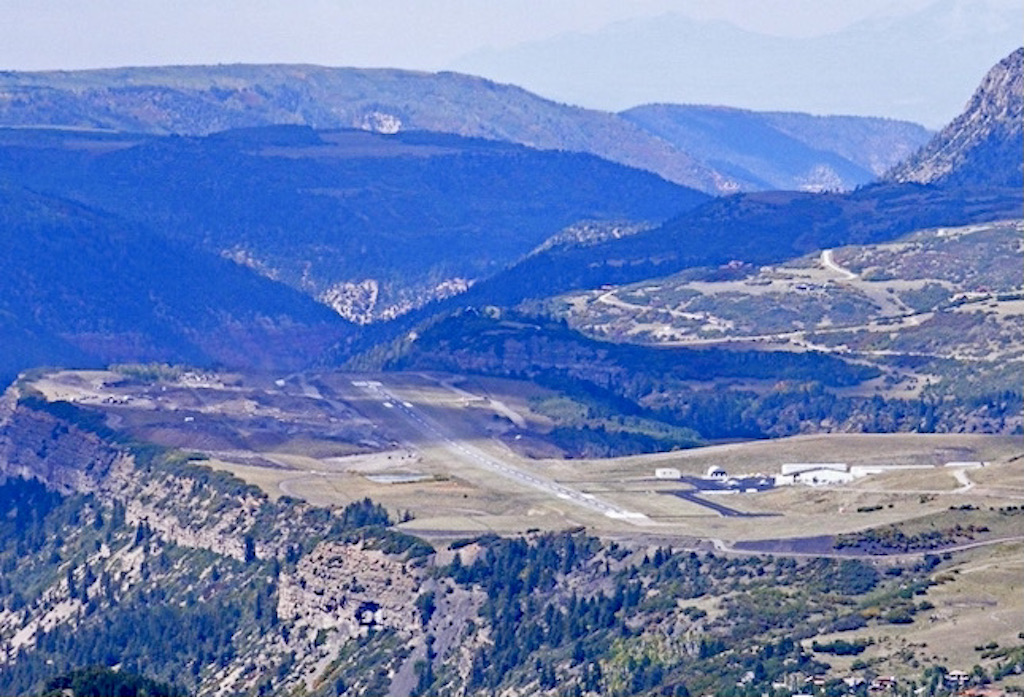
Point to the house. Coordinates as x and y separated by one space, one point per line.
816 680
883 683
958 677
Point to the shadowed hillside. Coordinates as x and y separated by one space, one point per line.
371 225
85 288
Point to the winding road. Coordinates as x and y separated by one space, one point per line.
829 262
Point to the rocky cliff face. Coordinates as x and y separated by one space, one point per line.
317 581
982 146
37 444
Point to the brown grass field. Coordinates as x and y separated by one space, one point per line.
979 600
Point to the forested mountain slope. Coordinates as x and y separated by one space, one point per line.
756 228
198 100
82 287
766 150
371 225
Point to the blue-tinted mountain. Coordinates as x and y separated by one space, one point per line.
779 150
371 225
984 145
198 100
80 287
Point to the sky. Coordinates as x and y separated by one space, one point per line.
414 34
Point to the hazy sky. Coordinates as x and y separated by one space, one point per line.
436 34
420 34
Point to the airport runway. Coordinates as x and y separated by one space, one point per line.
477 457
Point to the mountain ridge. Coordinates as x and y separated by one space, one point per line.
198 100
783 150
980 145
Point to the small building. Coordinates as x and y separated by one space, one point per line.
716 472
958 677
667 473
883 683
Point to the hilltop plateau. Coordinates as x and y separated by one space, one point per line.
939 312
217 581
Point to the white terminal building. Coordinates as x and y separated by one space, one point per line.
816 474
827 473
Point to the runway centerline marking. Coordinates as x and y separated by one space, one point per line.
559 491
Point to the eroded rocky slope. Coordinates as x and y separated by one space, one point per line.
982 146
280 588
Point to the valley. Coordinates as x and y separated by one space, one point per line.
325 382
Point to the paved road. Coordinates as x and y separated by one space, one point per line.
829 262
479 458
732 548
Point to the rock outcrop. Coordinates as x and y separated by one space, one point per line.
982 146
324 593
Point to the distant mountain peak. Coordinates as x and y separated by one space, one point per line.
916 64
983 145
